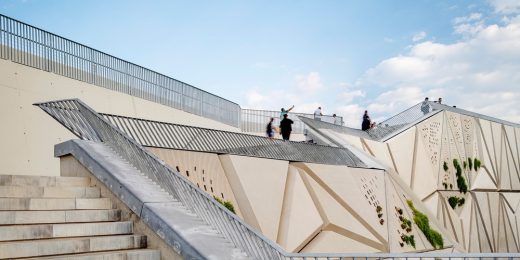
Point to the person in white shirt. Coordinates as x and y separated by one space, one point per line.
317 113
337 121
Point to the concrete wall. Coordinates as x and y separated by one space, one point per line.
488 220
310 207
28 135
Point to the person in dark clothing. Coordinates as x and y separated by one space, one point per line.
269 131
285 127
365 125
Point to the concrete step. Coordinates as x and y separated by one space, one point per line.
43 231
137 254
48 192
54 204
58 216
43 181
62 246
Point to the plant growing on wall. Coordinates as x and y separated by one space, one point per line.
422 221
470 163
456 163
226 204
445 185
455 201
445 166
464 165
476 163
409 240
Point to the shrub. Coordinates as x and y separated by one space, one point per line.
461 184
445 166
476 163
226 204
464 165
422 221
456 201
409 240
455 163
470 163
453 201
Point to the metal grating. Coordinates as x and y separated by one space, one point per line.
182 137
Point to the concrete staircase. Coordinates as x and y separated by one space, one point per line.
63 218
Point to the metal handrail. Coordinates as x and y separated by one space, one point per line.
255 121
89 125
182 137
37 48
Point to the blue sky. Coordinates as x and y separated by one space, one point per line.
346 56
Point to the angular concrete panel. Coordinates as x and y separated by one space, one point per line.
329 241
335 180
259 186
401 148
296 230
334 213
424 180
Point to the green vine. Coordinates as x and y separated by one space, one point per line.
445 166
422 221
455 201
461 181
476 163
470 163
409 240
226 204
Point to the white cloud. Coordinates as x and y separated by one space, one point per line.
506 6
309 83
351 114
466 19
479 72
419 36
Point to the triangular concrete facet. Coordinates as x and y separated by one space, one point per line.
295 230
483 181
402 152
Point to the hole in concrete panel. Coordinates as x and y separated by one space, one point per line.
211 188
188 173
222 195
206 189
195 168
198 185
204 180
177 168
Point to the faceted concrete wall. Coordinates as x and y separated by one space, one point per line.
28 135
487 220
308 207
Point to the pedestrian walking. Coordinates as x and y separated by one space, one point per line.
425 106
285 127
269 130
365 125
337 120
317 113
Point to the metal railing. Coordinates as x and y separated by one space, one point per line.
402 120
89 125
182 137
255 121
37 48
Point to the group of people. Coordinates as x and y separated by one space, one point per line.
286 123
286 128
